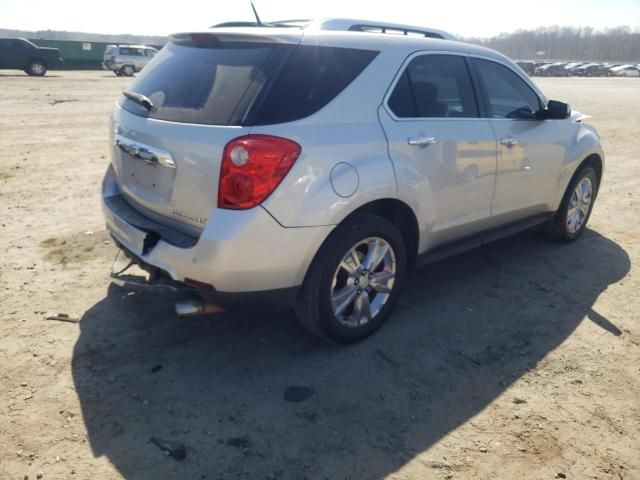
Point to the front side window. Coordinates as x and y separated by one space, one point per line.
507 95
434 86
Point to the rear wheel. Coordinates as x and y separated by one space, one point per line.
354 281
36 68
571 219
127 70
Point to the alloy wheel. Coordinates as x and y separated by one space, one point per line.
579 205
363 282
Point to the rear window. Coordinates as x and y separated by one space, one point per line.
233 83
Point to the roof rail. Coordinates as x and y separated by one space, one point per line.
349 25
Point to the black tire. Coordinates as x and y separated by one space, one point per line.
127 70
558 228
36 68
314 309
118 73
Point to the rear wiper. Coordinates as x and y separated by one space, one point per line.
139 99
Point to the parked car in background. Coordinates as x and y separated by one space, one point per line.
528 67
591 70
626 71
571 65
313 168
127 59
553 70
21 54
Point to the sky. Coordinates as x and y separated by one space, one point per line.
479 18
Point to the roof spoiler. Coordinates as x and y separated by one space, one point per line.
211 39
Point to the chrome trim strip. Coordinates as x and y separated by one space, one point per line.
146 153
463 54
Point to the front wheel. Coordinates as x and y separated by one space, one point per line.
571 219
354 281
36 68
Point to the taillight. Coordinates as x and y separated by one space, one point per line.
252 167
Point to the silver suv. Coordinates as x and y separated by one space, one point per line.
127 59
313 168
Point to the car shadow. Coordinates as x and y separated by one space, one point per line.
24 75
464 330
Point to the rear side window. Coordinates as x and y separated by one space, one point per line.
507 95
310 79
125 51
239 83
434 86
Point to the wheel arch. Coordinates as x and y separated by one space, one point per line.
592 160
401 216
37 59
595 161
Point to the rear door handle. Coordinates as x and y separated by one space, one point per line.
421 140
509 142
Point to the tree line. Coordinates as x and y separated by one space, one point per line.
619 44
84 36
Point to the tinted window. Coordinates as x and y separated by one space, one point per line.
434 86
236 83
215 84
125 51
309 80
20 45
508 95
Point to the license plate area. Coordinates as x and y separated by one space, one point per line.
130 236
147 172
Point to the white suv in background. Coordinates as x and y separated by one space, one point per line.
313 168
127 59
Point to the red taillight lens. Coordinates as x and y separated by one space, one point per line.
252 167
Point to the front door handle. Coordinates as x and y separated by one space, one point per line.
509 142
421 140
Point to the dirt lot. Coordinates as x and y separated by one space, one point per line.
519 360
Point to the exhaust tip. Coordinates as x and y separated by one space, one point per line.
189 307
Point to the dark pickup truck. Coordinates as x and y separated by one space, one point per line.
21 54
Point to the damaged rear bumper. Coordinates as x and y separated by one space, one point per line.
245 258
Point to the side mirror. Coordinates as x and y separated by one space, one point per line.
556 111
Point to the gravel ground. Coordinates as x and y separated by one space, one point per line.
518 360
